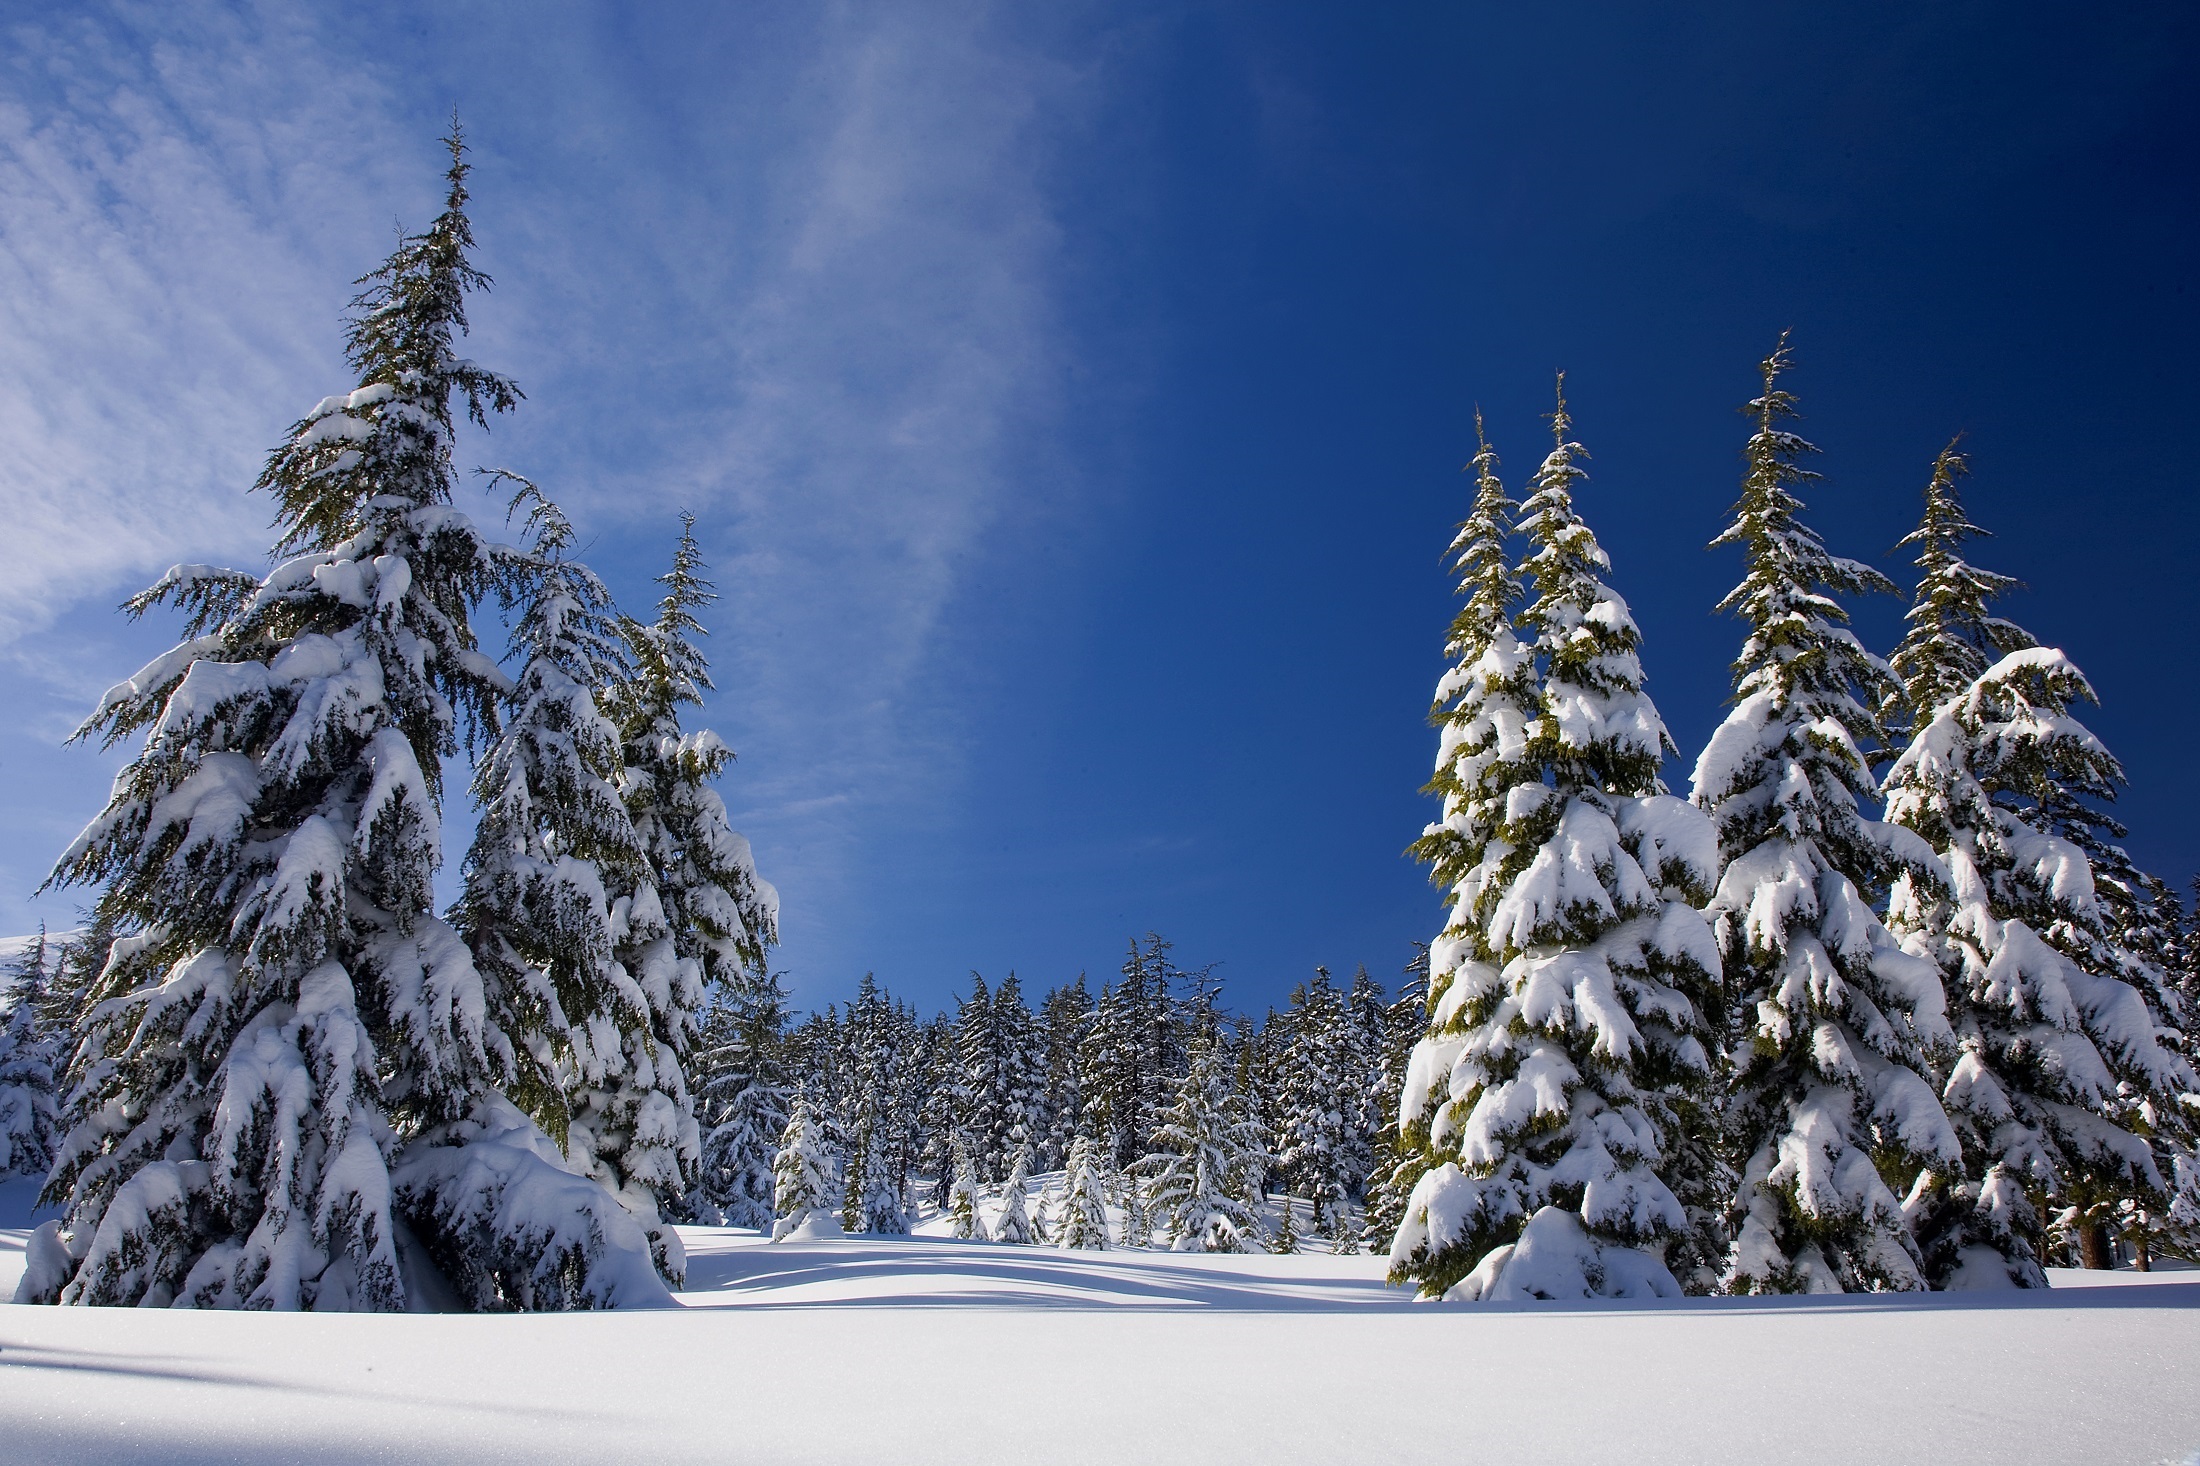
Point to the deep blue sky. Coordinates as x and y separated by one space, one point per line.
1075 397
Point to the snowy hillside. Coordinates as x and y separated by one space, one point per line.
924 1349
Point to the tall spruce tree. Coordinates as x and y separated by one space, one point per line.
1570 988
741 1098
1202 1150
694 917
284 1011
1953 636
2051 1041
1840 1025
30 1113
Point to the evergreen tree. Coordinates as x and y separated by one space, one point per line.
1194 1175
805 1175
1841 1023
1285 1242
1953 636
1022 1073
1084 1224
551 826
1065 1018
982 1098
695 915
286 1041
2050 1039
1014 1222
1318 1094
1400 1159
963 1200
30 1114
741 1098
1571 987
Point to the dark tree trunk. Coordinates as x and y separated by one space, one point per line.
2093 1248
2141 1258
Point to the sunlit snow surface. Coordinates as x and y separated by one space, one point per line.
928 1350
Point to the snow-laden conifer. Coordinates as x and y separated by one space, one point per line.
1285 1241
962 1204
695 916
805 1176
1953 634
1838 1023
2050 1041
2055 947
30 1113
1084 1224
1569 989
741 1098
1318 1090
1013 1222
284 1010
1195 1174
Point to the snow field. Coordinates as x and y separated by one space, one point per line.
923 1349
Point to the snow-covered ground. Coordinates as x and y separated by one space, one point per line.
925 1349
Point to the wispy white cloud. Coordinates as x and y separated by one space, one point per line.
821 311
182 195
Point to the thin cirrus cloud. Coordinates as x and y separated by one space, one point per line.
841 392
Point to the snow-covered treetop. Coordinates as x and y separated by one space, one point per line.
390 439
1799 647
1598 731
1952 636
1486 575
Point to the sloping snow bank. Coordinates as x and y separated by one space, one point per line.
923 1350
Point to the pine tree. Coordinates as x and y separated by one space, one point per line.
1022 1072
1317 1087
1065 1019
1285 1242
1014 1222
2050 1039
1084 1224
1841 1023
982 1099
30 1113
1194 1175
963 1200
1401 1155
1953 637
805 1175
694 917
284 1014
741 1098
1570 989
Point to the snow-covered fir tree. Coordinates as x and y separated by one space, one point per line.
1065 1019
2048 1040
1134 1051
1285 1241
805 1175
1570 988
1839 1025
1202 1151
286 1046
1022 1072
741 1095
1084 1224
1953 634
1013 1222
963 1196
1400 1152
1317 1091
695 916
30 1113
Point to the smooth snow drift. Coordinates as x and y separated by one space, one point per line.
924 1349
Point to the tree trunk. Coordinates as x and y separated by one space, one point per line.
2141 1258
2093 1248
